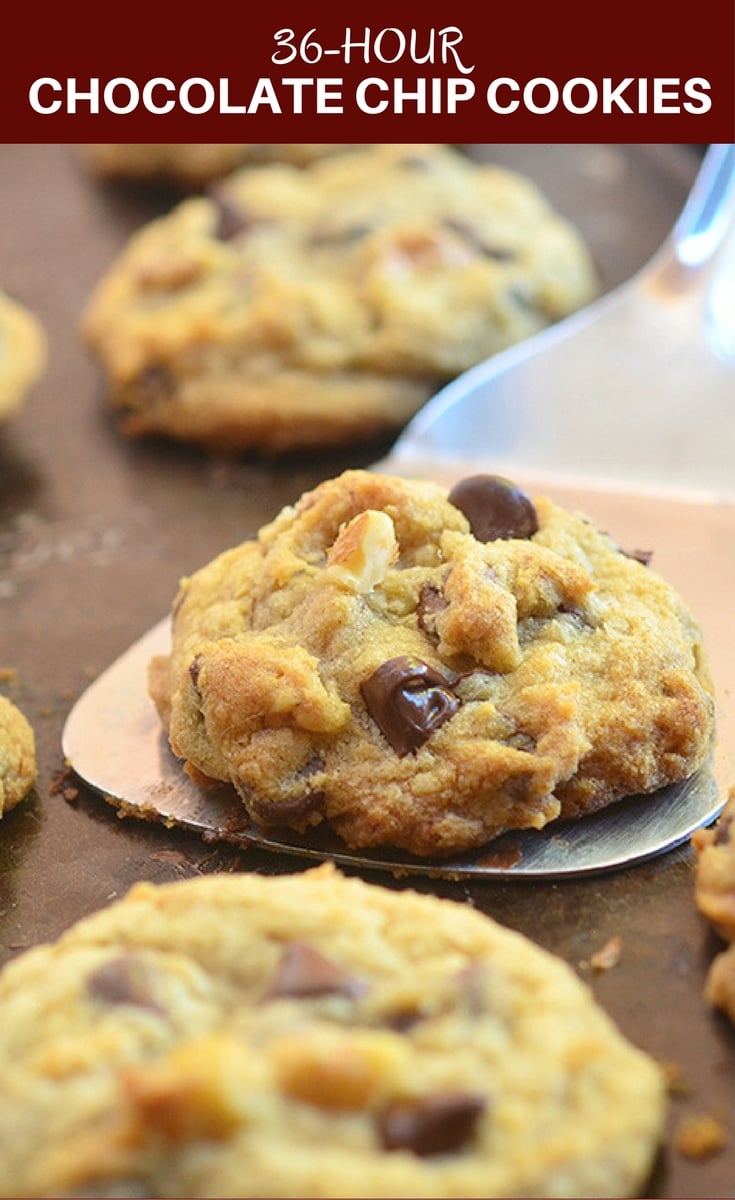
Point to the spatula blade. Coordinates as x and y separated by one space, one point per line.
113 740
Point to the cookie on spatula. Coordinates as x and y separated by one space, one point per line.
424 669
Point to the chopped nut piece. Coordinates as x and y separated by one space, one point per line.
199 1090
333 1071
363 552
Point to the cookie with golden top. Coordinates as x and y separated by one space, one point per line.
17 755
22 353
190 165
313 1035
290 308
427 670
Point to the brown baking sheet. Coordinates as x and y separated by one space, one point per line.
95 533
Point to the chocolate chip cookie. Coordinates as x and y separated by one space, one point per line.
17 756
290 308
22 353
427 670
715 898
190 165
312 1035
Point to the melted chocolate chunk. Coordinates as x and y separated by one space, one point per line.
123 980
440 1124
496 508
304 971
408 700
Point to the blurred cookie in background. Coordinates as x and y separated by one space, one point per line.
17 756
297 307
714 892
22 353
190 165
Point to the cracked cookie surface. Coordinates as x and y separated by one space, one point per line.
293 307
313 1035
370 662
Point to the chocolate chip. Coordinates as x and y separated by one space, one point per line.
123 980
194 671
286 811
304 971
573 610
155 383
440 1124
432 601
296 808
519 295
231 219
414 162
404 1019
474 238
495 507
642 556
329 235
408 700
472 982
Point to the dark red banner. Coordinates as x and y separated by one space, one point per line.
570 71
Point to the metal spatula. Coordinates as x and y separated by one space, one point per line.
625 411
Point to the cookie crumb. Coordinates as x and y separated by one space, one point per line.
676 1084
700 1135
607 956
714 848
63 784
